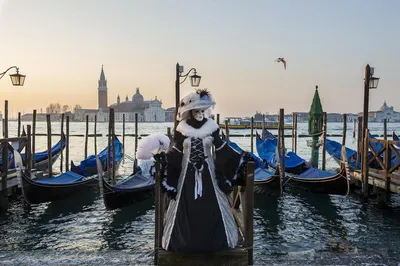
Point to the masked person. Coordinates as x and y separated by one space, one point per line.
199 217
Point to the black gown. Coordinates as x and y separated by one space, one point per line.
200 219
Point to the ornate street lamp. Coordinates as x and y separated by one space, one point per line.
194 81
16 79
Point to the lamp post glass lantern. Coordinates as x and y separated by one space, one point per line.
373 82
16 79
195 79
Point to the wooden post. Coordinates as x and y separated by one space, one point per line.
67 144
62 140
359 143
344 129
136 140
295 133
109 146
123 133
388 165
5 119
218 119
365 164
324 129
113 149
385 129
282 145
4 170
263 126
251 134
33 138
86 135
227 132
28 153
19 125
157 218
248 211
95 134
354 128
50 165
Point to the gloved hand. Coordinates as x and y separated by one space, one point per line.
172 194
242 172
225 185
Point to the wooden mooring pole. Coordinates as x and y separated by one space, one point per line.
251 134
19 125
49 159
113 149
324 129
385 129
248 210
281 146
365 168
123 133
354 128
359 143
28 152
33 137
95 134
67 144
5 119
109 146
62 141
344 129
263 126
4 170
218 119
86 136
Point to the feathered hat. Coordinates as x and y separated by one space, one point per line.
201 99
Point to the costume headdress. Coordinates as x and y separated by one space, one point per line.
201 99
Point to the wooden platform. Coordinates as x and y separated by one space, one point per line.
378 181
237 256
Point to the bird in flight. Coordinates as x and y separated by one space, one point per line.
281 59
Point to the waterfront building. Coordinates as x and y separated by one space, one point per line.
385 112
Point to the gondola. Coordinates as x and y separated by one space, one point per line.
135 188
333 148
41 158
66 184
141 184
312 179
266 181
266 149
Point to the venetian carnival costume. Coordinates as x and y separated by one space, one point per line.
199 217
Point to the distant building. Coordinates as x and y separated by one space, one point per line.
169 114
146 111
102 90
385 112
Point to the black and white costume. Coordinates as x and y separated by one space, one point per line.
199 218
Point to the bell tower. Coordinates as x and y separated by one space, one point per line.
102 90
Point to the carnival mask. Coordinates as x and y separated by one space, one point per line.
198 114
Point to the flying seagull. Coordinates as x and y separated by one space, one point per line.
281 59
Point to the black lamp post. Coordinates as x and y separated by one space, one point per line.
194 81
16 79
370 82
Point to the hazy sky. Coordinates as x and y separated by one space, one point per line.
61 44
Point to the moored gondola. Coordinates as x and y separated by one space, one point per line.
64 185
266 181
141 184
320 181
133 189
309 178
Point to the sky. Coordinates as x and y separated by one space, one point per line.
60 45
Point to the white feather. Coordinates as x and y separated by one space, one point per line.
151 145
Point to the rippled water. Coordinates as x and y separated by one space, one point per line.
296 229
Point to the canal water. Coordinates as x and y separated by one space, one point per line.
297 229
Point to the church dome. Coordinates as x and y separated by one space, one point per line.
137 97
